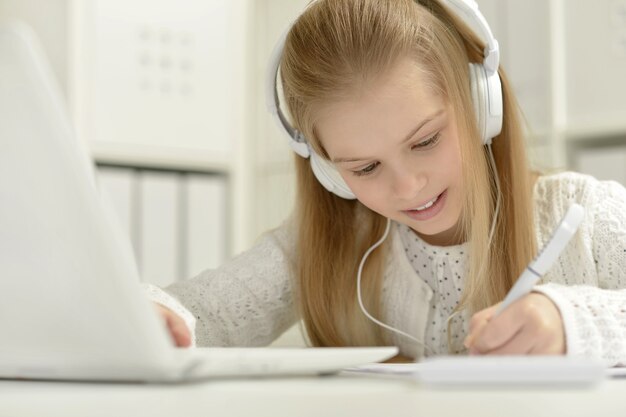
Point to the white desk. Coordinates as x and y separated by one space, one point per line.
340 395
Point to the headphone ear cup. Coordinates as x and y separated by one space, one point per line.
478 86
494 106
328 176
487 99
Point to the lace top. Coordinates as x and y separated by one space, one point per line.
248 300
443 269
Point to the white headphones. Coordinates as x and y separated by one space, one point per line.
485 85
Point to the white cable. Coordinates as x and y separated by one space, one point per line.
498 193
358 290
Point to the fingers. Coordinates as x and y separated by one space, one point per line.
530 340
178 330
176 326
495 332
477 323
522 343
531 325
482 317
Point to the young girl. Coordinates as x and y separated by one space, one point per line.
403 203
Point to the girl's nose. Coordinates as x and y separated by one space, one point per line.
407 184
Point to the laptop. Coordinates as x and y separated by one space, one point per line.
71 302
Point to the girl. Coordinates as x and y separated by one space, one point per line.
406 215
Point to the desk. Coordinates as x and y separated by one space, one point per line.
337 395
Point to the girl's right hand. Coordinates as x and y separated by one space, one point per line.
175 325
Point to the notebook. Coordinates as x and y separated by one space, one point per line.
553 370
71 304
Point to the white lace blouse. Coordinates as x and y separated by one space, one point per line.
248 300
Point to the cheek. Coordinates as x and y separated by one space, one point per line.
453 161
450 160
367 192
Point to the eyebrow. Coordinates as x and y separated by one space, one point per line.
406 139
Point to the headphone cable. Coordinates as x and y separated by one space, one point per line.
358 291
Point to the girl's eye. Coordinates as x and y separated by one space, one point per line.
428 142
367 170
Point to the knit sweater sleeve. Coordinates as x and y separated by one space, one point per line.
245 302
594 308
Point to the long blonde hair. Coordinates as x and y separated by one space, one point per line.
334 50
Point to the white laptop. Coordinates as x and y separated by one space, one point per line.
71 305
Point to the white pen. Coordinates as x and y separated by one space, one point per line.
546 256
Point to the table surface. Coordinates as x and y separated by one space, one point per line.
335 395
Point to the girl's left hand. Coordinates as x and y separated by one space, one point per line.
531 325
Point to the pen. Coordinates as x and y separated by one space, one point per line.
561 236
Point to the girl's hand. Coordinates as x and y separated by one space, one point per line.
531 325
176 326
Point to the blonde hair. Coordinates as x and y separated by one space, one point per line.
335 49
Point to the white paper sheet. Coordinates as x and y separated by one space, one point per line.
497 370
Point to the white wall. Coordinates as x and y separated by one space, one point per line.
49 17
565 58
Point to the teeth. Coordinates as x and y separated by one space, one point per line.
430 203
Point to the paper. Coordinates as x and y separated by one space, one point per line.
616 372
498 369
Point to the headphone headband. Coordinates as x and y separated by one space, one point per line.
297 141
468 11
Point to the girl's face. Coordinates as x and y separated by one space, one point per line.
397 147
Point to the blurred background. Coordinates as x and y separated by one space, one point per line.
169 96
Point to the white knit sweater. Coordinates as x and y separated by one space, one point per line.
248 300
